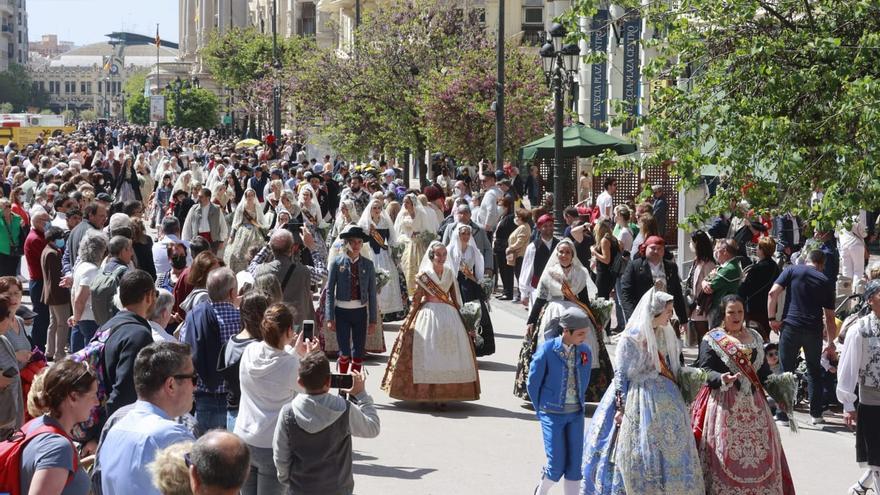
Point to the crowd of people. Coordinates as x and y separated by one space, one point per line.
187 296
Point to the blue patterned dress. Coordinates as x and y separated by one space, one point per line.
655 450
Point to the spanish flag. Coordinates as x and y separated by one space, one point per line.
107 64
158 40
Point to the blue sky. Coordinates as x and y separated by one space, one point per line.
87 21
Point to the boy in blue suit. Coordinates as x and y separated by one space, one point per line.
558 379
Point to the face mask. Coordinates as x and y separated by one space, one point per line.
59 243
178 262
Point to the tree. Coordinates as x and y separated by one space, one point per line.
781 100
198 108
137 106
88 115
16 89
456 103
371 100
6 107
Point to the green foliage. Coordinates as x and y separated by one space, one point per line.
46 111
137 109
68 115
240 56
198 108
88 115
15 89
778 98
6 107
456 103
135 83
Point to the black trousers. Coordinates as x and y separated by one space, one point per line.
506 273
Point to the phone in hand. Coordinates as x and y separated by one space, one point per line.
10 371
308 329
341 381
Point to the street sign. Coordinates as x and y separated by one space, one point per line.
227 119
157 108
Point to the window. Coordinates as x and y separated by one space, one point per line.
51 86
82 88
99 87
57 87
533 15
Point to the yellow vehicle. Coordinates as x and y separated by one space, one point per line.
25 128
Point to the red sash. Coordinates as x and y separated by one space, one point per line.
738 357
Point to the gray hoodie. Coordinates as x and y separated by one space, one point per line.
314 413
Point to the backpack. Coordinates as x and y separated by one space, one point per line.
103 288
93 354
12 449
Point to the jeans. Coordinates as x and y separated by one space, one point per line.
41 322
563 444
210 412
790 342
81 334
57 336
351 325
621 317
263 477
231 417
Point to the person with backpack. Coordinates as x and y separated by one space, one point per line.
92 251
105 284
312 442
117 343
43 458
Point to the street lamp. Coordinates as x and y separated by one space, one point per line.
176 86
107 97
560 64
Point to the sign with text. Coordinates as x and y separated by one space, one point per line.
598 72
157 108
632 33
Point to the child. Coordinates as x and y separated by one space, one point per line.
163 198
558 379
771 355
312 444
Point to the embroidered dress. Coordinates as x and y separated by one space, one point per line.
654 452
736 436
390 299
433 358
248 230
469 262
413 230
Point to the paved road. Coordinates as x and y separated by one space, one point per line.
493 446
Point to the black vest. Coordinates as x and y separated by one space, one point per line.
542 255
385 233
320 462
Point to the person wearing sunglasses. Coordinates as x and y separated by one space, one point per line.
49 461
165 379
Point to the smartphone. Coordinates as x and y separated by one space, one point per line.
10 371
341 381
308 329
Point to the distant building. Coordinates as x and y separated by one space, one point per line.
92 76
49 46
13 33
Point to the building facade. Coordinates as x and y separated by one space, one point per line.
91 77
49 46
13 33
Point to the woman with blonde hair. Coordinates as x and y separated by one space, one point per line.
413 227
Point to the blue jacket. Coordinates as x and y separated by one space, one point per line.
548 375
339 284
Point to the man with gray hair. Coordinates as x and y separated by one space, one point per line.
208 326
160 315
92 251
218 464
463 216
287 268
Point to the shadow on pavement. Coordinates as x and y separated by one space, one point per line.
397 472
508 336
494 366
457 410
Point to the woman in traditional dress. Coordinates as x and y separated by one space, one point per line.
248 230
433 359
468 261
311 217
344 218
735 432
639 440
378 226
126 186
411 227
563 284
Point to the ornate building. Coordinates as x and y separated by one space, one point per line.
13 33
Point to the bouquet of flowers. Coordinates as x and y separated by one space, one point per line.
397 252
382 278
487 286
690 381
470 315
425 237
783 389
601 308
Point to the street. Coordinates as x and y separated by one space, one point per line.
493 446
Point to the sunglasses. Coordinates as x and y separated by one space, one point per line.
194 377
85 373
772 354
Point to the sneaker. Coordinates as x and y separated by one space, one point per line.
819 420
857 489
781 417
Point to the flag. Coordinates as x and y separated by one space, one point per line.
107 64
158 40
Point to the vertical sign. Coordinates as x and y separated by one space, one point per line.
157 108
632 33
598 72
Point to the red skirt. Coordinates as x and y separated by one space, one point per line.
739 444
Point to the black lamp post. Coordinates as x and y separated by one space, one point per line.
560 64
176 87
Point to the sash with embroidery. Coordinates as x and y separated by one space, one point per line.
378 238
468 273
737 357
435 290
664 368
570 296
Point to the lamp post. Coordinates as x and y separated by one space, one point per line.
276 90
176 87
107 97
560 63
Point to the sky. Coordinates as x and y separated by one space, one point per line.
88 21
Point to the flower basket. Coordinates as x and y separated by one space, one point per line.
601 308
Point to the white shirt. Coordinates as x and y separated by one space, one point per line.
855 236
60 221
82 276
159 333
491 208
853 358
659 275
160 253
525 275
606 205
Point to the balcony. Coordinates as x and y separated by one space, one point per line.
7 7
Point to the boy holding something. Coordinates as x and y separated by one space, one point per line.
312 444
